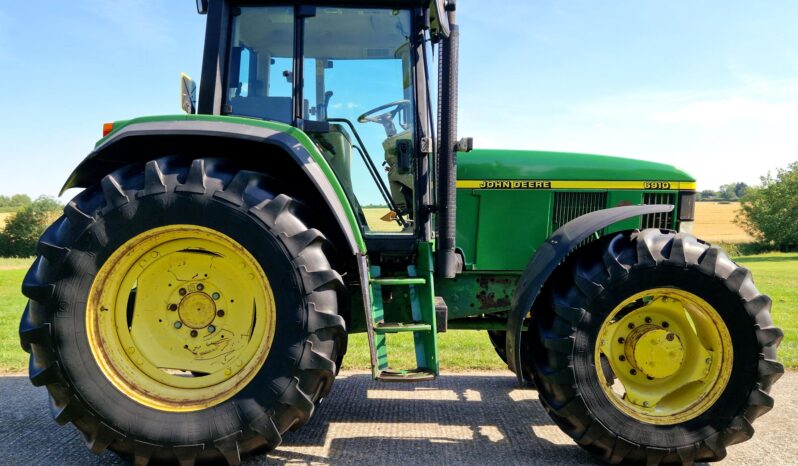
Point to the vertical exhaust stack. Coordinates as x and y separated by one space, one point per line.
448 263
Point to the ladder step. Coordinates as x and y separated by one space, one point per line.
398 281
415 375
396 327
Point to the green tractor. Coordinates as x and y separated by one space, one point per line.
193 302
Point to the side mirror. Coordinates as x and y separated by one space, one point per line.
439 18
188 94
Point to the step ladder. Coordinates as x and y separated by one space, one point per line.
419 284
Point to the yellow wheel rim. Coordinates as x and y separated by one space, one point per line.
670 354
180 318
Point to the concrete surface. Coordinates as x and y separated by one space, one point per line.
473 418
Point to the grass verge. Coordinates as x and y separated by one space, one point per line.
776 274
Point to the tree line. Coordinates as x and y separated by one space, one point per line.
727 192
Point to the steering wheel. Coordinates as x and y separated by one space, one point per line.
386 119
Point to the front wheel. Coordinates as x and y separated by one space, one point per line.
183 311
658 350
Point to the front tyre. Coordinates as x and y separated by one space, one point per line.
658 350
183 311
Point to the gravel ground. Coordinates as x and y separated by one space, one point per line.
474 418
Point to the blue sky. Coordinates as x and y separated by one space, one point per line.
709 86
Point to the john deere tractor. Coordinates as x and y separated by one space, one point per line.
193 303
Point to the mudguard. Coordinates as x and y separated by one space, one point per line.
548 257
128 143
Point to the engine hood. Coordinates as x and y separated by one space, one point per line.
491 164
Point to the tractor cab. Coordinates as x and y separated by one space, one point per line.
354 79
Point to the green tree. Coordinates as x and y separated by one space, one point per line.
23 229
728 192
769 212
707 194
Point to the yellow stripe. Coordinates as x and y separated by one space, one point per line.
564 184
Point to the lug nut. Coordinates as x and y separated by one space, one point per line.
665 325
216 296
632 371
622 358
182 291
621 340
178 324
648 320
220 313
211 329
200 287
173 307
670 337
645 404
193 333
631 325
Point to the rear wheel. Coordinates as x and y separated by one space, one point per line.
183 312
658 349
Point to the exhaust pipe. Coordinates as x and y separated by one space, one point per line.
448 262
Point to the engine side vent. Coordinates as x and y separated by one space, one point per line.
569 205
662 220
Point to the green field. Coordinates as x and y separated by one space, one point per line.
776 275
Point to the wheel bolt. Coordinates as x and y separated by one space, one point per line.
645 403
216 296
621 340
670 337
632 371
220 313
665 325
622 358
178 324
193 333
173 307
200 287
648 320
211 328
182 291
631 325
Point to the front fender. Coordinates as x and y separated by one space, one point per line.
548 257
137 139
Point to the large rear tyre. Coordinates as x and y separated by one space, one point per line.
183 311
658 350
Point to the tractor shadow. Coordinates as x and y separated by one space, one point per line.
456 419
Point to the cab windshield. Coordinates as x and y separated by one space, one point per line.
356 76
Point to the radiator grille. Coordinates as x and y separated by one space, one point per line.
661 220
568 206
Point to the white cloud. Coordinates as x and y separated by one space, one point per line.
718 136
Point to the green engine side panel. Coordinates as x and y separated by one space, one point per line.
514 222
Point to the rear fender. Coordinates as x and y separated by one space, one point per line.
139 142
548 257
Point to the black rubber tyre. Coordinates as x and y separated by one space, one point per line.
584 292
498 338
252 209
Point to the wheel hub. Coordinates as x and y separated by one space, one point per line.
180 318
197 310
655 351
670 356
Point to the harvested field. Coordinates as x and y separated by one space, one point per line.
714 223
3 217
